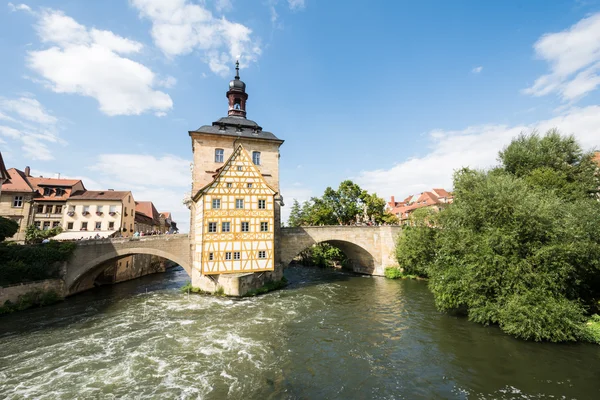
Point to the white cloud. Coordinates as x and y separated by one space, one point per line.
574 58
163 180
29 109
475 147
296 4
90 62
477 70
180 27
19 7
29 123
223 5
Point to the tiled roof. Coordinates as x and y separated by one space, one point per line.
148 209
166 214
66 185
41 181
99 195
17 182
236 127
424 199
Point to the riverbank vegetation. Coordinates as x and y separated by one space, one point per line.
323 255
36 298
27 263
346 205
520 245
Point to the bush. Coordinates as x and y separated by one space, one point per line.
396 273
8 228
591 329
520 245
323 255
32 262
36 298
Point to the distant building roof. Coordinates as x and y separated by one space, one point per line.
147 208
66 186
99 195
424 199
237 127
597 158
16 182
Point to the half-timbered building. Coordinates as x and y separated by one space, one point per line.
235 206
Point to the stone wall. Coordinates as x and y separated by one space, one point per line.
235 284
13 292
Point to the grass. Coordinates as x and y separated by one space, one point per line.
397 273
188 288
268 287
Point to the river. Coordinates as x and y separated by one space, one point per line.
328 335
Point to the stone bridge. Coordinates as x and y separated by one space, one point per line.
369 249
89 256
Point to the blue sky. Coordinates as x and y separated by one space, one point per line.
392 94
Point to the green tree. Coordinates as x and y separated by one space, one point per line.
35 235
520 245
346 202
295 218
8 228
416 247
552 162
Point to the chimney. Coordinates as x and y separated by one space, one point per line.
393 201
27 171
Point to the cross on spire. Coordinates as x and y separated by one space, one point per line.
237 69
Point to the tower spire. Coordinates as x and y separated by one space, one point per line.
237 95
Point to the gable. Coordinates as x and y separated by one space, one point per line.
238 171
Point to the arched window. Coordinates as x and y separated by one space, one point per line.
237 104
218 155
256 157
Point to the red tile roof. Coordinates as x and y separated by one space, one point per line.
148 209
597 158
65 184
17 182
99 195
424 199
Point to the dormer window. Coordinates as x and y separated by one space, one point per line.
219 155
47 191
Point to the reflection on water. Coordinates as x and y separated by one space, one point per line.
327 335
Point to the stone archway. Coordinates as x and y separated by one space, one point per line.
372 247
360 260
94 267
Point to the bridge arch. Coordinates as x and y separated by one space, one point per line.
360 259
90 258
370 248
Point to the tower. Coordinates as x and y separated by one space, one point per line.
235 205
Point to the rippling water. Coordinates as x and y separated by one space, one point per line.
326 336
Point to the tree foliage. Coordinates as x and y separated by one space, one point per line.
35 235
32 262
346 205
8 228
520 245
323 255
